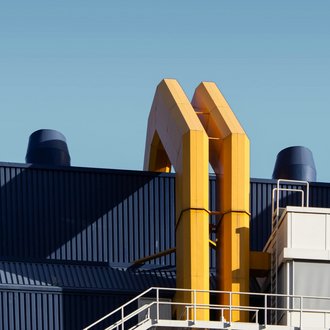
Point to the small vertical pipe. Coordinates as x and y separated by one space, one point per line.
157 302
266 309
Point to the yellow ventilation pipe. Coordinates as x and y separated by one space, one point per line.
176 137
230 159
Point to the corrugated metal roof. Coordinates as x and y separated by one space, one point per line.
82 276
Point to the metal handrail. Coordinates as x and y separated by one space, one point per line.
278 189
121 308
129 316
194 306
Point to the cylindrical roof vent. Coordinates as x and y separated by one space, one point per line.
48 147
295 163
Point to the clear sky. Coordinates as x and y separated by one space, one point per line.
90 69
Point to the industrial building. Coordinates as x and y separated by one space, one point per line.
78 243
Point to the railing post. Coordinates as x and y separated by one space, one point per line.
122 318
325 319
157 304
266 309
230 309
301 309
195 306
303 198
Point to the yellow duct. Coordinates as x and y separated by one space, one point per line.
230 159
175 136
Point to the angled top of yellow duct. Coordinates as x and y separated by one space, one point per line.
208 99
171 116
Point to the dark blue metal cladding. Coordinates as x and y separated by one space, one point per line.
21 308
261 212
68 296
320 194
68 219
85 214
81 214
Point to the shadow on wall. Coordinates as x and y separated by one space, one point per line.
85 214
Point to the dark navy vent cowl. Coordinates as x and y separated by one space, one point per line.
48 147
295 163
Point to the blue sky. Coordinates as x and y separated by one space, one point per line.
90 69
